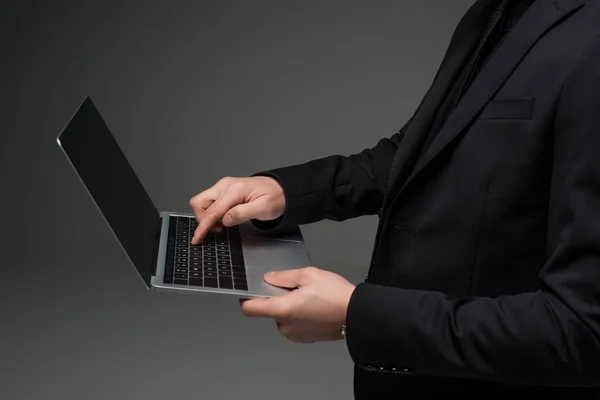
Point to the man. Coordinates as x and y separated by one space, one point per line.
485 276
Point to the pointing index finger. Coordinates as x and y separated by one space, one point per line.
213 215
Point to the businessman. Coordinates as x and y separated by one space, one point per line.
485 274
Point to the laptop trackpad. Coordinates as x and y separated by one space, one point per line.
263 255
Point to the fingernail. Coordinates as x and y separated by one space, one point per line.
271 273
228 220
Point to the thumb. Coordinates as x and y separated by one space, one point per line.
242 213
290 279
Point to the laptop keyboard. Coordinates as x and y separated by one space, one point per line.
217 262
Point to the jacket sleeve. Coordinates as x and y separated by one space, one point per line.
340 187
335 187
550 337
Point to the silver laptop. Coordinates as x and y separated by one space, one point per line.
231 262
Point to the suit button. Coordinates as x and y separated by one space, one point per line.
370 367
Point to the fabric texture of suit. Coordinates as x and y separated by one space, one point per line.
485 275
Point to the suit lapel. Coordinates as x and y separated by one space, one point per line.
462 44
460 48
541 16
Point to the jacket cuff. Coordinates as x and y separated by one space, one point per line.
377 329
292 215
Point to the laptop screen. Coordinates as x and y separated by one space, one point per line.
113 185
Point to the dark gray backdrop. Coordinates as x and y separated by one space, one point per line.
193 91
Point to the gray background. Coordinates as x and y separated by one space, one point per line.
192 91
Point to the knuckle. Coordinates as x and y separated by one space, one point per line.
225 180
236 185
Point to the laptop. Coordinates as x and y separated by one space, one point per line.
158 244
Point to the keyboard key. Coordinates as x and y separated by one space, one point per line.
196 282
225 283
210 269
195 264
238 270
180 282
222 253
223 248
209 258
181 265
224 273
210 275
209 253
196 254
196 275
210 263
240 287
240 281
196 269
196 259
180 276
181 270
181 260
223 257
211 282
224 263
196 248
224 268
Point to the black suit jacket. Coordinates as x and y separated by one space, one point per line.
485 276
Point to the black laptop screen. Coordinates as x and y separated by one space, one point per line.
113 185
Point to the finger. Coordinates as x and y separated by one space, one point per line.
285 331
274 307
230 198
200 204
244 212
290 279
202 201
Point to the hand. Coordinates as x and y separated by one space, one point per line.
315 311
232 201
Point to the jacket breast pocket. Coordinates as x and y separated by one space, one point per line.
508 109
